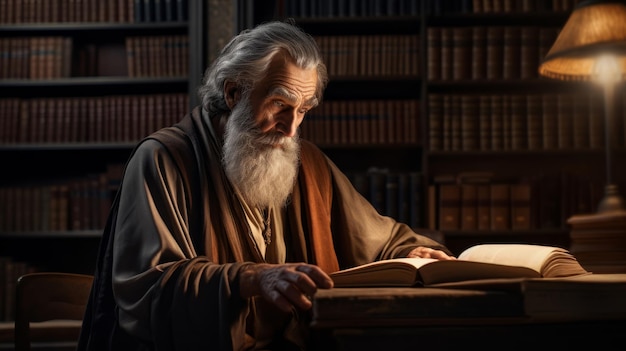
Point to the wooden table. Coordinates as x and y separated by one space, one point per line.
436 319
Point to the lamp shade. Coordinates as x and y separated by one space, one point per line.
594 28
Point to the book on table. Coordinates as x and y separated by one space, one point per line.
484 261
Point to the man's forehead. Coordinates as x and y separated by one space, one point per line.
293 96
286 79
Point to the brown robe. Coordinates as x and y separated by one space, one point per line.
177 237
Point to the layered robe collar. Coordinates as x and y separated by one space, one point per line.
227 236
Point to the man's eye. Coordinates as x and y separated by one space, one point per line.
279 104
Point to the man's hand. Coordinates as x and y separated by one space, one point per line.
426 252
285 285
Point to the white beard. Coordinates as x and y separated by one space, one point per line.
264 174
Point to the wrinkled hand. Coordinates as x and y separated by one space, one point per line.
285 285
426 252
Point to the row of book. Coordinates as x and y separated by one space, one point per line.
499 6
376 121
73 204
539 202
117 118
158 56
378 8
397 194
350 8
92 11
494 122
161 10
35 57
56 57
487 52
370 55
10 270
83 203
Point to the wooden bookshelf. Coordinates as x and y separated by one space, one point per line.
81 83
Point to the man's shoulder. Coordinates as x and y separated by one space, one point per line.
178 137
308 147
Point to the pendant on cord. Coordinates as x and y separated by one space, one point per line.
267 232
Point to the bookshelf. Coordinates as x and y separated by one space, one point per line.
80 84
537 143
484 117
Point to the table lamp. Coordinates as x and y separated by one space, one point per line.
592 47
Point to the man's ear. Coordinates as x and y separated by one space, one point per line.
231 94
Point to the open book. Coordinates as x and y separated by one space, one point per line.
486 261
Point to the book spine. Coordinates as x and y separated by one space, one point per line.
447 59
461 53
449 207
377 182
500 207
434 53
534 126
511 53
580 122
469 123
479 53
549 118
497 117
416 199
564 120
519 138
484 122
520 206
483 204
495 52
506 122
391 195
435 122
529 52
456 124
469 206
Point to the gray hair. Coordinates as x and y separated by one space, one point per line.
245 59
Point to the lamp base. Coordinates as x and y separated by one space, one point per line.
598 241
612 201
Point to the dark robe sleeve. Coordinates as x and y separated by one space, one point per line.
363 235
166 294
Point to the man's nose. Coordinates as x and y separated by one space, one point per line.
288 123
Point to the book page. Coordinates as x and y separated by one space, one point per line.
392 272
526 255
447 271
416 262
424 271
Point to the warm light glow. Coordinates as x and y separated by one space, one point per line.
593 28
592 46
606 69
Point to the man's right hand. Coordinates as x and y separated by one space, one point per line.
285 285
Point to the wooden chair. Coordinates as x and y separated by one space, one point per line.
50 297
